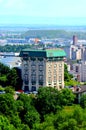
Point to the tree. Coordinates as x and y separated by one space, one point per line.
12 77
67 76
83 100
9 89
1 88
80 116
3 74
5 124
67 97
4 69
71 124
72 83
31 118
47 100
7 104
19 79
64 120
9 76
24 127
27 111
26 106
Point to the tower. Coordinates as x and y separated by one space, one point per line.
75 40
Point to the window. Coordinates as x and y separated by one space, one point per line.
55 66
55 73
60 87
40 77
40 62
49 65
49 73
60 65
33 72
40 67
49 84
54 83
77 69
49 80
33 83
33 62
26 77
41 83
60 77
60 82
40 72
55 86
33 77
33 88
26 71
33 67
26 88
55 78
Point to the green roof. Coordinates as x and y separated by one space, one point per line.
55 53
43 53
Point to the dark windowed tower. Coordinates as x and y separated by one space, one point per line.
75 40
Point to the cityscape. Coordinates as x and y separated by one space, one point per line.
37 59
42 65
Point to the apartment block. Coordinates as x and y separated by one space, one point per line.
42 68
79 71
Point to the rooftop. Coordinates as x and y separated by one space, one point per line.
43 53
81 89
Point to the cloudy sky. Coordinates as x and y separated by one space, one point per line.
60 12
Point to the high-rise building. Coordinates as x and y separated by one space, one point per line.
75 40
42 68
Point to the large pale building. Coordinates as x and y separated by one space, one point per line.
42 68
79 71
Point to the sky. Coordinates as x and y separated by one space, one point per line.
49 12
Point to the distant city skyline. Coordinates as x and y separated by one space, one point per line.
50 12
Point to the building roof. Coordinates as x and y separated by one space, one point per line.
43 53
81 89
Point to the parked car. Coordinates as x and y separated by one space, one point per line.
35 92
2 92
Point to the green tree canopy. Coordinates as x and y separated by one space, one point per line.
67 76
48 100
5 124
67 97
83 100
7 104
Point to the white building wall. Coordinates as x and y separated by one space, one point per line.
79 71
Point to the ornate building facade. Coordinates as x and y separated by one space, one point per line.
42 68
